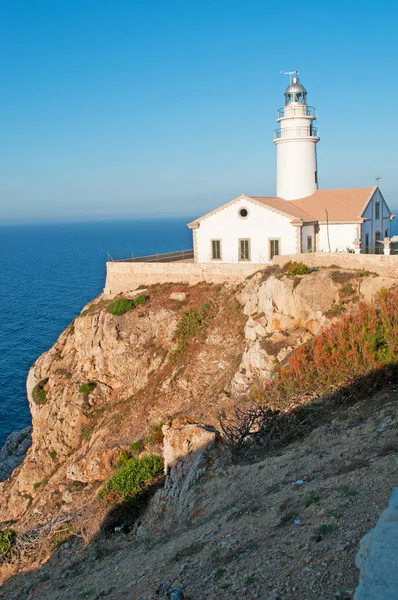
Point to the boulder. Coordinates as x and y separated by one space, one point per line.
377 558
14 451
95 466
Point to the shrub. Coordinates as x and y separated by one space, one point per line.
87 388
67 374
139 300
192 321
39 394
324 530
358 350
53 455
347 290
122 305
133 478
341 276
360 342
136 447
7 540
86 431
72 326
296 268
156 434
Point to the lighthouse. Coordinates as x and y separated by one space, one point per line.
296 140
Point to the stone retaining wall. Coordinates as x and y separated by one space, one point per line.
122 277
376 263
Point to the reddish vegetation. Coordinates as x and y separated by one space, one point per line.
364 340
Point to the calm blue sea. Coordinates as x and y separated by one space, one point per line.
47 273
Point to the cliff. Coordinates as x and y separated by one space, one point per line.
111 380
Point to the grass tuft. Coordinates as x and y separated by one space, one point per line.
39 394
87 388
7 540
296 268
191 323
133 478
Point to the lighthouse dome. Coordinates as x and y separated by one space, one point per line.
296 92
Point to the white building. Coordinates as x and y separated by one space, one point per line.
300 218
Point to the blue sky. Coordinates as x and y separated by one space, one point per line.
113 108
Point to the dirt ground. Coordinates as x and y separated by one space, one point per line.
286 525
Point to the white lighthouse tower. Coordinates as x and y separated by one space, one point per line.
296 141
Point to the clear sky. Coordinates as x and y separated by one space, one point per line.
167 107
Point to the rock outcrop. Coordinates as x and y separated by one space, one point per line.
108 379
377 558
192 452
14 451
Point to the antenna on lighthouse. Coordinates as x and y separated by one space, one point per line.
291 74
378 178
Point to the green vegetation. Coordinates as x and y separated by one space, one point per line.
296 268
72 326
136 447
87 388
86 431
64 372
192 321
311 498
42 483
39 394
132 479
342 276
8 538
53 455
250 580
348 491
347 289
122 305
324 530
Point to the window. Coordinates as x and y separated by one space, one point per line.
309 243
316 177
378 245
274 249
244 249
366 243
377 210
243 213
386 233
215 249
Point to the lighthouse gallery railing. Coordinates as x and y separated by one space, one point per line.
301 110
294 132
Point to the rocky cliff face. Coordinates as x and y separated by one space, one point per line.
108 379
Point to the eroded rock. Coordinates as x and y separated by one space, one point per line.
192 452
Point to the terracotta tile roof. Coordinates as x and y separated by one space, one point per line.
342 205
286 207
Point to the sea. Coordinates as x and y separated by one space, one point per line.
48 272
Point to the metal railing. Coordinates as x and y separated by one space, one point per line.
294 132
301 110
165 257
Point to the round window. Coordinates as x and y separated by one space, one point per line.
243 213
